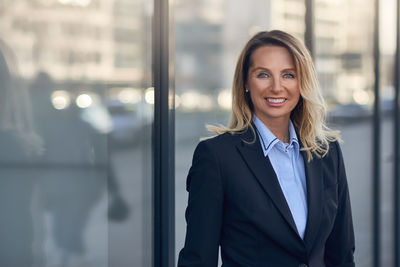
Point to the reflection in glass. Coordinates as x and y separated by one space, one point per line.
75 130
19 145
60 99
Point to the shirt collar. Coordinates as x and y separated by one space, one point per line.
269 140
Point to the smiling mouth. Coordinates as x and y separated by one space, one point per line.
276 100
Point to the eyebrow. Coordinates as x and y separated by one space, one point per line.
262 68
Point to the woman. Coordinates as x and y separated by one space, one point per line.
271 188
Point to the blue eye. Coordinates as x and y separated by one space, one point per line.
262 75
288 75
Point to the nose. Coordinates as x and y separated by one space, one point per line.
276 85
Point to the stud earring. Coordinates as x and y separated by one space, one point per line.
247 90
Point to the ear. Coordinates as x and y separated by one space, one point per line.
246 87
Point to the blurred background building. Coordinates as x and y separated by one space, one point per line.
87 77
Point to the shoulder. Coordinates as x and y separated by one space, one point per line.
221 146
227 141
333 162
221 139
247 135
207 158
334 150
213 144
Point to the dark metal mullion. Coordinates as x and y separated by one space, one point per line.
376 144
309 37
164 182
397 143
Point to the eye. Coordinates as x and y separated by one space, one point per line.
262 75
288 76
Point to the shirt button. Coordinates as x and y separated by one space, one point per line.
302 265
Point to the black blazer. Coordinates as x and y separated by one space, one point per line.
236 202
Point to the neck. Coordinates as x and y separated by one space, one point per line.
279 127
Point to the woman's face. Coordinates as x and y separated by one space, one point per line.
273 84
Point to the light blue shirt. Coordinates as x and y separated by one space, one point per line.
288 165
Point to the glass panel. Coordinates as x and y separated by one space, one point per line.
388 49
75 130
344 62
209 35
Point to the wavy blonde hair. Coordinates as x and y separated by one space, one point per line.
308 116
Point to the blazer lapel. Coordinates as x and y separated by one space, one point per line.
315 189
262 169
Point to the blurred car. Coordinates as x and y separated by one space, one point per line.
131 123
350 113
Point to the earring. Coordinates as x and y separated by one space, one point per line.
247 90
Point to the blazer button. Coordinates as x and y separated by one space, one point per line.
302 265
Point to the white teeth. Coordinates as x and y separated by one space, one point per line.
276 100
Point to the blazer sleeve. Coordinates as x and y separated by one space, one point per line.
204 210
340 245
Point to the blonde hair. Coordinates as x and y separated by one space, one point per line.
308 116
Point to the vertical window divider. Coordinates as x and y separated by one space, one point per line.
376 144
164 137
309 36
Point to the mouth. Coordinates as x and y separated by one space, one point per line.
276 100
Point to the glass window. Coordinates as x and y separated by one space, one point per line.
76 114
344 62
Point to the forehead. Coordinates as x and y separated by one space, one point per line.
272 56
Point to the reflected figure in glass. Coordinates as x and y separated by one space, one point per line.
19 146
73 171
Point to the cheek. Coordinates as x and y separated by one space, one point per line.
258 88
297 95
294 90
254 96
